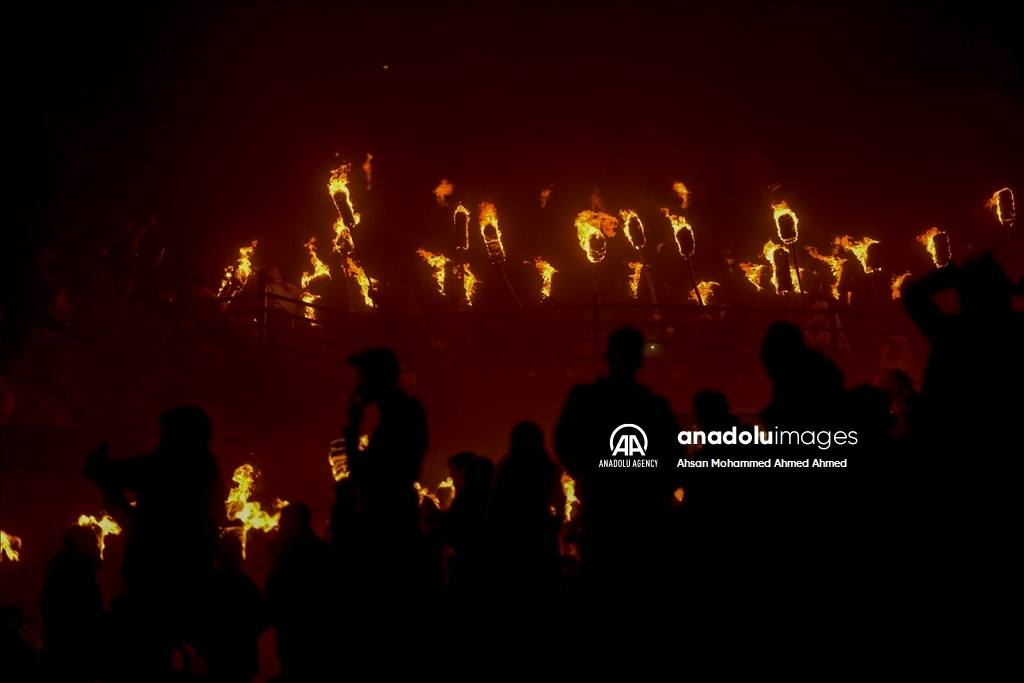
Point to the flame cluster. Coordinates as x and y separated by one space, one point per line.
634 278
593 228
10 546
785 222
706 289
753 272
569 489
237 275
897 284
937 244
241 509
491 233
1003 202
546 271
834 263
769 253
683 232
103 527
425 494
628 217
858 248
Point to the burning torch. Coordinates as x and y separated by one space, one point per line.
492 241
638 240
937 244
684 240
786 223
461 222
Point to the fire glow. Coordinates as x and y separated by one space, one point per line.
491 233
753 272
835 264
10 546
683 232
438 262
637 239
103 527
858 248
546 271
241 509
320 270
706 289
897 284
593 228
769 253
237 275
443 191
785 222
569 488
937 244
1006 211
634 277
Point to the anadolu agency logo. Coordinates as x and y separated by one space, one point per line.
628 440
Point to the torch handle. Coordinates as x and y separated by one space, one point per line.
796 267
647 276
693 281
509 284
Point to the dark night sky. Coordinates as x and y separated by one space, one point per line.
224 121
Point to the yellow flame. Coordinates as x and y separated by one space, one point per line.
683 193
237 275
753 272
544 195
9 546
103 527
629 216
679 494
338 457
683 232
443 191
769 254
241 509
634 277
779 210
705 289
320 268
489 217
897 284
569 487
592 229
438 262
425 493
835 264
447 484
364 282
546 271
368 169
455 216
859 249
338 185
928 240
469 284
1006 210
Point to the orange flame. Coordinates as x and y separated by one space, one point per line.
492 236
240 508
464 211
469 283
705 289
679 494
546 271
364 282
928 240
628 216
897 284
684 233
338 186
320 270
634 278
835 264
9 546
443 191
544 195
592 228
425 493
779 211
237 275
1006 210
753 272
683 193
569 487
858 248
368 169
596 204
769 254
438 262
338 456
103 527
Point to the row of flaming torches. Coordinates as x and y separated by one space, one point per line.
594 228
250 515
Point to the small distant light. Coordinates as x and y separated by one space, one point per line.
385 67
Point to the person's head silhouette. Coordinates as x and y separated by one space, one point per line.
186 427
378 372
81 541
625 353
526 438
712 410
782 345
296 519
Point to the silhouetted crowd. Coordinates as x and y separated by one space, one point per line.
512 563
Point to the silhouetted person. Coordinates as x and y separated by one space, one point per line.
526 514
72 608
297 595
624 510
808 388
19 648
172 534
239 617
383 474
465 531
